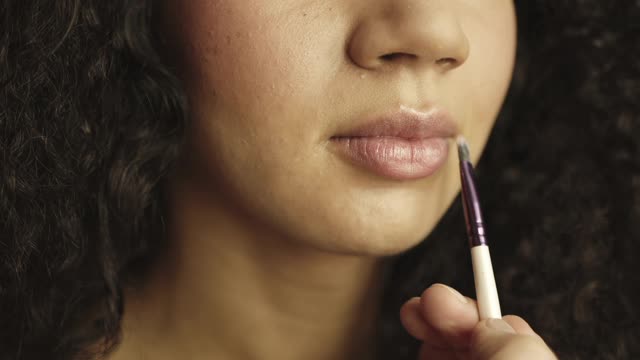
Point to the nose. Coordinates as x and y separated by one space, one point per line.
418 34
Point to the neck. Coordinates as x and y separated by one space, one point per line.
228 290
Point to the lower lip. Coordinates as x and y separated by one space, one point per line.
395 158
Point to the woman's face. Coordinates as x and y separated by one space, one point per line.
279 88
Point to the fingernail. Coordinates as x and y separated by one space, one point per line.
455 293
500 325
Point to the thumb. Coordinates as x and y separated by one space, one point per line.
496 339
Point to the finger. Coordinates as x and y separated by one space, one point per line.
411 318
413 321
496 339
519 325
449 314
428 352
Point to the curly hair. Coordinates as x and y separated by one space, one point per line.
92 120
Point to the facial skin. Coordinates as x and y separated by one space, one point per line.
271 232
270 82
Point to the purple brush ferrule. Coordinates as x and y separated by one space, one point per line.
471 205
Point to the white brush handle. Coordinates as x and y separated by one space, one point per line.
488 302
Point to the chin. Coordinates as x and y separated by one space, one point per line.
378 244
390 248
361 231
391 235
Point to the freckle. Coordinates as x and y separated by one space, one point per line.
228 39
304 14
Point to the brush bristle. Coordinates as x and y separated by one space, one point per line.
463 149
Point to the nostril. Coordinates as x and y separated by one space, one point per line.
396 55
447 61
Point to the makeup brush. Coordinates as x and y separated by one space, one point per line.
486 292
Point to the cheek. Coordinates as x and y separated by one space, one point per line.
495 58
253 80
485 78
228 59
254 77
251 61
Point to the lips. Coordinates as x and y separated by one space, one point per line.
405 144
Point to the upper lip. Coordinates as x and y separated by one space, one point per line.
406 123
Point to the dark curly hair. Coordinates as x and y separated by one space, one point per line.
92 120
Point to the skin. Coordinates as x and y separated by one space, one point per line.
276 243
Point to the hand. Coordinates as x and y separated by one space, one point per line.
448 325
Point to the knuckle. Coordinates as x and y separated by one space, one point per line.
513 347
